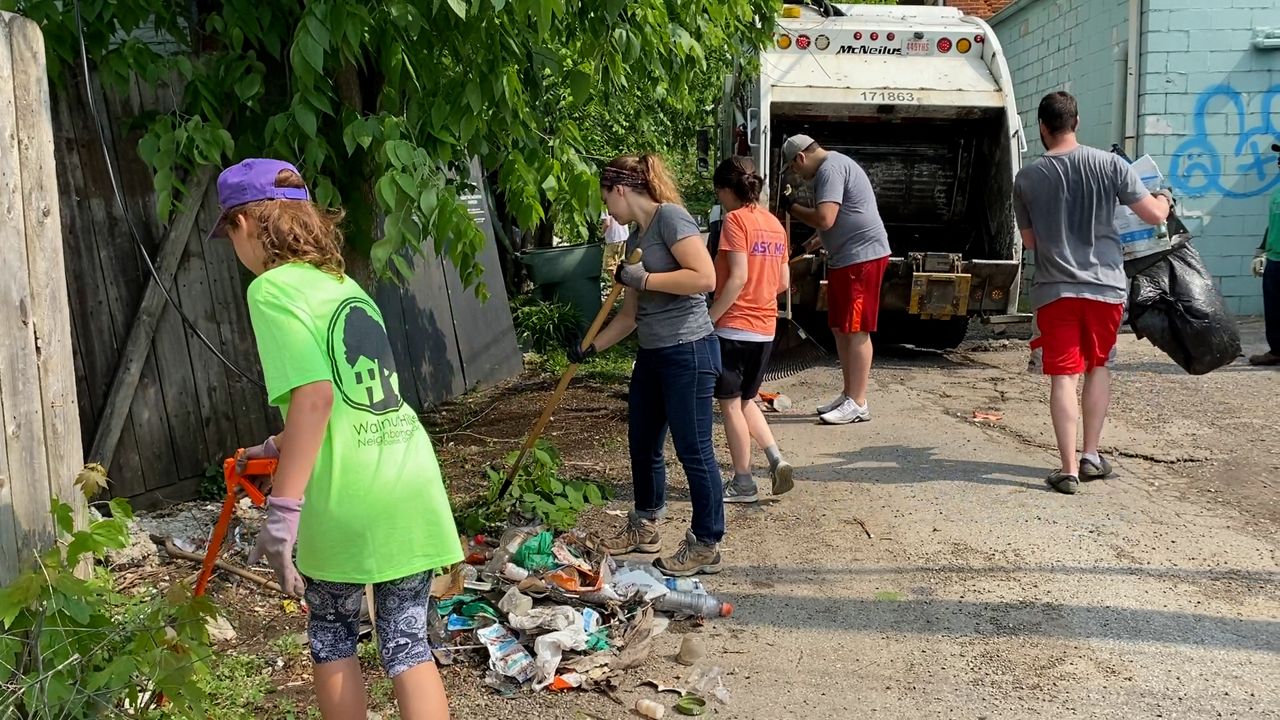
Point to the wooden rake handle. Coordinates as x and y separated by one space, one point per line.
536 431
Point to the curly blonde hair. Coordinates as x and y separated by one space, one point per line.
294 231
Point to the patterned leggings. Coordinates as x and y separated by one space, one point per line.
401 606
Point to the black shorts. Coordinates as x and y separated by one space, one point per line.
744 363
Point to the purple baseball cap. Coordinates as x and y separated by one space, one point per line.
251 180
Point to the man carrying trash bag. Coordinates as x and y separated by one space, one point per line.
1267 267
1065 204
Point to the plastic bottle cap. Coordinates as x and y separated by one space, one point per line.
726 609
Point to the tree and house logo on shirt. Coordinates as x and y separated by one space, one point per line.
364 369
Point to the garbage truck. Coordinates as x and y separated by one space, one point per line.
921 98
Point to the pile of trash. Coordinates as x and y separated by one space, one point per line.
553 612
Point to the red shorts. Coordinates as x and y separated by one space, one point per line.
853 296
1077 335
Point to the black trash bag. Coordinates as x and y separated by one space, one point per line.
1173 303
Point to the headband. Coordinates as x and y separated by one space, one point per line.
613 177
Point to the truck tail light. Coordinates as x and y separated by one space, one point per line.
944 45
822 42
802 42
784 42
979 39
875 36
889 36
963 45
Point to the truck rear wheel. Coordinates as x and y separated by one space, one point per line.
903 329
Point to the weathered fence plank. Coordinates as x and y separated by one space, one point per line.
138 347
51 316
40 436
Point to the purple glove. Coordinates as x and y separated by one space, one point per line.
275 543
267 449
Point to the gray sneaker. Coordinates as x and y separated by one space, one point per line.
783 477
692 558
1090 470
740 493
1064 483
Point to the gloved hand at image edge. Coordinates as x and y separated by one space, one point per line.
276 540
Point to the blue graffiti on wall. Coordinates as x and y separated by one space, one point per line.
1247 168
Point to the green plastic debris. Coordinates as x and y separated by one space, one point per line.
598 640
467 606
535 554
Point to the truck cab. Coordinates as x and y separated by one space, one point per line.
921 98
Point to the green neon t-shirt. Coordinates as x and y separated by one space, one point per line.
375 508
1273 228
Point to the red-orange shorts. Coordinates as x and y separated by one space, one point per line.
1076 334
853 296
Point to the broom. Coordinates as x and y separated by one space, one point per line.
536 431
796 357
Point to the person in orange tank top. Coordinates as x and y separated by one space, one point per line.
751 270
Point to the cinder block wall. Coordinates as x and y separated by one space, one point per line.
1209 112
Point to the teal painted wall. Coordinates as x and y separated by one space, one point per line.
1209 112
1209 106
1065 45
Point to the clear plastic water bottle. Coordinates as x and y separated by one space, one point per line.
686 603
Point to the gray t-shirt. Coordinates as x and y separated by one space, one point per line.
858 234
662 319
1070 201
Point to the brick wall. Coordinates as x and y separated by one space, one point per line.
981 8
1209 112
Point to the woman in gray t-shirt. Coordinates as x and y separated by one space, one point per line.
676 367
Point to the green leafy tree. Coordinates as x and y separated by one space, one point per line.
384 103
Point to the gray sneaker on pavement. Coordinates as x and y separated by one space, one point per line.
736 492
1090 470
783 477
1064 483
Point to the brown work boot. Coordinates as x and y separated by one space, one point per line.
691 558
638 535
1265 359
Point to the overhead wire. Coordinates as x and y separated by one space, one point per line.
113 176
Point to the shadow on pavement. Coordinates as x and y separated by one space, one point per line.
989 619
898 464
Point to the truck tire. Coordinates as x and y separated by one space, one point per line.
899 328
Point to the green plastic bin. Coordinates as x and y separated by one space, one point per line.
569 274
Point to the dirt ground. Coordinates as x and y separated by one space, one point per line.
922 569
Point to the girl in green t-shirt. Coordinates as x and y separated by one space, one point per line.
375 509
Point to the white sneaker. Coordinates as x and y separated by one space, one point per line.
848 412
824 409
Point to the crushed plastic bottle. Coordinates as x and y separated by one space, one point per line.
689 585
685 603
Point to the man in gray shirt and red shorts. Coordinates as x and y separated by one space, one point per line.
851 231
1065 204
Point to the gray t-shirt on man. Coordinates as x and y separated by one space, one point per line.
663 319
858 234
1069 199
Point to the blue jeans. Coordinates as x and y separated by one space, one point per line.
1271 304
672 387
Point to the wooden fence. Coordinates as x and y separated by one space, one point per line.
174 409
40 451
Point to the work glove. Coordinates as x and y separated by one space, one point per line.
631 275
576 354
1259 265
275 543
267 449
